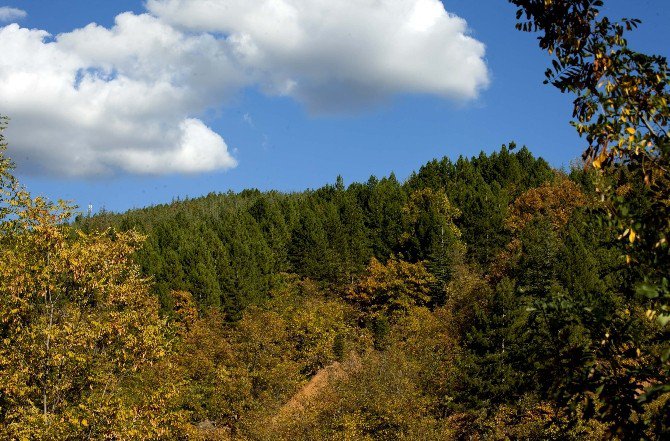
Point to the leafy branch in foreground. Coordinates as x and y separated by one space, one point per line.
621 107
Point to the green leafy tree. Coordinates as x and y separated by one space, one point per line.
429 227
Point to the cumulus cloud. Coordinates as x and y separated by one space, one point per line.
335 55
10 14
127 98
99 100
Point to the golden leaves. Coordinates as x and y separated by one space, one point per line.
395 286
555 201
598 162
75 313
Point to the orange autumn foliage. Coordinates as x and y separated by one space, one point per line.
555 201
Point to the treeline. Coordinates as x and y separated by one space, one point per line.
488 297
226 249
489 290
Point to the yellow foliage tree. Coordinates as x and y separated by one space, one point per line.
554 201
77 323
392 288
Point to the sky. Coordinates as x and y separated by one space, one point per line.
132 103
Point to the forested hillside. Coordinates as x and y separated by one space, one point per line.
469 299
491 297
226 249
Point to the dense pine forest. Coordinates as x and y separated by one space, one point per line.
227 249
468 300
486 297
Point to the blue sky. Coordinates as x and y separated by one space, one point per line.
280 142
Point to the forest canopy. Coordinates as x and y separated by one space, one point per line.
485 297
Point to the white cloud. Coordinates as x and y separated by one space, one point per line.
98 100
338 55
199 150
10 14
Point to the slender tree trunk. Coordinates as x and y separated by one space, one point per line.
49 309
